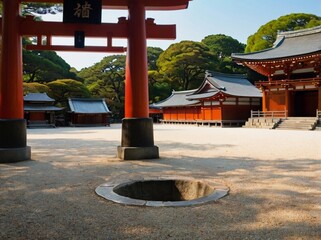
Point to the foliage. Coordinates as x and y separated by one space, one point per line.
183 64
34 88
44 66
106 79
223 46
152 56
266 35
159 91
62 89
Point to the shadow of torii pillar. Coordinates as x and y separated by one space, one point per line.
137 128
13 137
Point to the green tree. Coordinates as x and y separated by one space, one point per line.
223 46
152 56
107 79
159 91
34 88
62 89
183 64
266 35
158 88
44 66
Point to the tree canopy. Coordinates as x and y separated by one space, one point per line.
107 79
34 88
44 66
266 35
62 89
183 64
223 45
152 56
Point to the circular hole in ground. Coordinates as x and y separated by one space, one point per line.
164 190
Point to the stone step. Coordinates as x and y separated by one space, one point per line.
300 123
301 118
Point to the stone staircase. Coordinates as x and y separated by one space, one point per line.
299 123
262 122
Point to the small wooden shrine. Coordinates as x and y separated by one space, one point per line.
88 112
221 99
39 110
293 67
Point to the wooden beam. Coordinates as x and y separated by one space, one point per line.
29 27
73 49
123 4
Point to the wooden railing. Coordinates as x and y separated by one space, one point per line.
290 82
269 114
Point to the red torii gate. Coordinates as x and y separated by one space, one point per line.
137 127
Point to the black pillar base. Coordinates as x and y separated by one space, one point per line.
137 140
13 141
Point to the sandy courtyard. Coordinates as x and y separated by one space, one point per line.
274 179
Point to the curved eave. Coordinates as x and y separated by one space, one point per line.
246 95
183 105
202 95
88 113
42 109
274 59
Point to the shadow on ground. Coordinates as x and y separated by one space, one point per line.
52 197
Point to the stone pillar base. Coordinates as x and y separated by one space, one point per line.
137 140
137 153
10 155
13 139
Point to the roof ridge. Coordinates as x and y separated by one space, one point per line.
183 91
300 32
209 73
86 99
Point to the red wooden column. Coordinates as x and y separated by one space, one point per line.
12 125
136 85
264 96
287 102
11 91
137 128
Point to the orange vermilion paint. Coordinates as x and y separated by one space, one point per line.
11 88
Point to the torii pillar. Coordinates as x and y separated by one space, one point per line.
137 128
13 135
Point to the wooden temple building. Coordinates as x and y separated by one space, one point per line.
88 112
292 67
221 99
39 110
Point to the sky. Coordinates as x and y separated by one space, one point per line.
236 18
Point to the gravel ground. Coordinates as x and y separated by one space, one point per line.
274 179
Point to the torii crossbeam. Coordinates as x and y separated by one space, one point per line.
137 127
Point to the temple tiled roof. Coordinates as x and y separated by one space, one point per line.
40 108
229 84
178 98
86 105
287 44
37 97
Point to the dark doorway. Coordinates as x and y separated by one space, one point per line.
305 103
